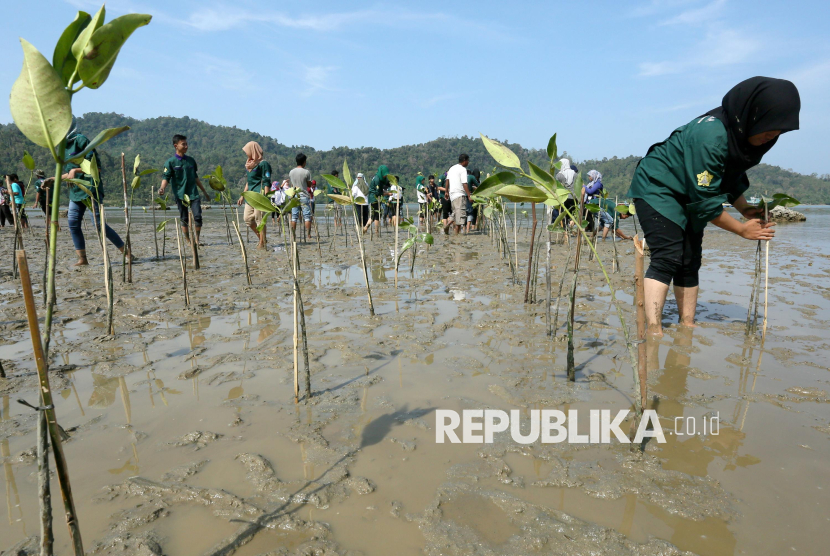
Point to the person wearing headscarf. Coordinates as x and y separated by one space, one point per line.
360 190
593 187
424 196
473 181
76 143
682 183
566 176
377 190
259 181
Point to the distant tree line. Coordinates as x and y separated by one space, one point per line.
211 145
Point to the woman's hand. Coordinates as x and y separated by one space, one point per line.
757 230
239 202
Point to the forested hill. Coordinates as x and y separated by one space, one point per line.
211 145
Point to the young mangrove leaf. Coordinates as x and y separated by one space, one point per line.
85 35
552 154
258 201
261 225
359 201
557 222
39 103
186 200
493 183
290 204
334 181
522 194
500 153
147 172
28 161
136 163
104 45
82 184
392 179
318 192
136 182
622 209
592 208
90 167
347 175
102 137
214 183
540 175
340 199
162 225
63 60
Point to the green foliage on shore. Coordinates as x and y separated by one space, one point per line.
214 145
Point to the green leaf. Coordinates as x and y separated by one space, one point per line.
552 154
102 137
28 161
492 184
162 203
500 153
136 163
105 44
82 41
347 175
552 227
540 175
406 245
83 185
39 103
622 209
334 181
340 199
392 179
214 183
186 200
427 238
261 225
91 167
217 198
148 171
258 201
488 211
318 192
62 60
522 194
219 174
162 225
290 204
136 182
592 208
359 201
631 209
557 198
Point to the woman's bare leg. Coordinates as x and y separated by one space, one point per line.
655 293
686 304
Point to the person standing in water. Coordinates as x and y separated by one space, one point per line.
377 190
681 184
259 180
180 172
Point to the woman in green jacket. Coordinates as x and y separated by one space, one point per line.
682 183
377 189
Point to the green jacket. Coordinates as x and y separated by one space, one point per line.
181 174
259 177
681 177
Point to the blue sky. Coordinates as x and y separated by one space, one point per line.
610 78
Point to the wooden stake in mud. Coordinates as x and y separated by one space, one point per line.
184 265
194 241
126 259
296 321
153 208
642 361
530 255
766 278
44 493
46 400
107 268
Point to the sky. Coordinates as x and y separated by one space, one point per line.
609 77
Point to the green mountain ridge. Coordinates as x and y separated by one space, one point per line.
211 145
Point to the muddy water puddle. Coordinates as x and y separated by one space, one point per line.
186 438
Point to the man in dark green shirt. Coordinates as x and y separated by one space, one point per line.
180 172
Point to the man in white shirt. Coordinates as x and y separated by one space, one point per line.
459 193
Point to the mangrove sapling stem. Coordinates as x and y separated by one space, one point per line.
194 241
301 310
53 249
561 284
61 466
153 209
516 237
359 232
530 253
244 253
296 339
46 249
183 265
225 214
107 268
397 225
547 274
18 236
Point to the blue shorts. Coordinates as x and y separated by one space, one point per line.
305 203
605 219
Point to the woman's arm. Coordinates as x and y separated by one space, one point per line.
747 210
751 229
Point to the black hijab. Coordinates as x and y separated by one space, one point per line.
754 106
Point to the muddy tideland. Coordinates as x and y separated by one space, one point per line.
184 436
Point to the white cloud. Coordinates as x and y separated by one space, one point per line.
432 101
223 18
719 47
316 79
707 13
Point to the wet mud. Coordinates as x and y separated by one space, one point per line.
185 437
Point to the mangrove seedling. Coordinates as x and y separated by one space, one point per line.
415 237
217 182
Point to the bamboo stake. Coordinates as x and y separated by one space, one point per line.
61 466
642 356
548 212
766 278
296 322
572 308
561 285
516 235
359 232
225 214
752 296
615 264
182 263
153 208
301 310
530 254
395 220
126 254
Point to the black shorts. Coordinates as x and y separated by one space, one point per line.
676 254
195 207
446 209
375 209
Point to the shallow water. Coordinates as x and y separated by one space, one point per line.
356 468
